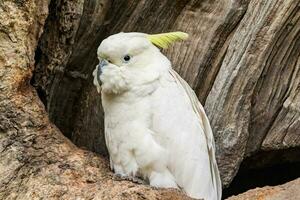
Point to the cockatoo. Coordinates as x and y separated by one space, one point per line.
155 127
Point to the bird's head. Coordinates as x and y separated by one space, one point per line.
128 60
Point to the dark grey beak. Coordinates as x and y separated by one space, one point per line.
102 63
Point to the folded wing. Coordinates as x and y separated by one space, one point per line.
183 128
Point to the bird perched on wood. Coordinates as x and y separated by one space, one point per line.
155 127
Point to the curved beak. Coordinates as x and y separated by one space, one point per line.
102 63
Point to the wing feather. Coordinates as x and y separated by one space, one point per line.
199 110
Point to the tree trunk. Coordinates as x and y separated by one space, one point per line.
242 59
254 102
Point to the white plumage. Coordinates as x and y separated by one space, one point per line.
155 127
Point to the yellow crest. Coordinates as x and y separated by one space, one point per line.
164 40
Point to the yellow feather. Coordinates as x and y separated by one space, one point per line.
164 40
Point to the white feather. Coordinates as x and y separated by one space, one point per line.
207 131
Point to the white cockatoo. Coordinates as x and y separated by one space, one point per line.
155 127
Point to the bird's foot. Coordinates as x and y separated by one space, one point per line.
134 179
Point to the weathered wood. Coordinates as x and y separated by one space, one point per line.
250 88
37 161
275 103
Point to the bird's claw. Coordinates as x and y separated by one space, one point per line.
134 179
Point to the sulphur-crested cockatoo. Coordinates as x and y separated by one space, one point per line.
155 127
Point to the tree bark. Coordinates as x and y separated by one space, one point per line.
242 59
37 161
254 102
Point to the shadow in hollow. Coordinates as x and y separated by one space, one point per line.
250 177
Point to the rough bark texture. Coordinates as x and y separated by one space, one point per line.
37 161
287 191
242 59
253 102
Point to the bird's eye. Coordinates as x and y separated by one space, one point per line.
126 58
